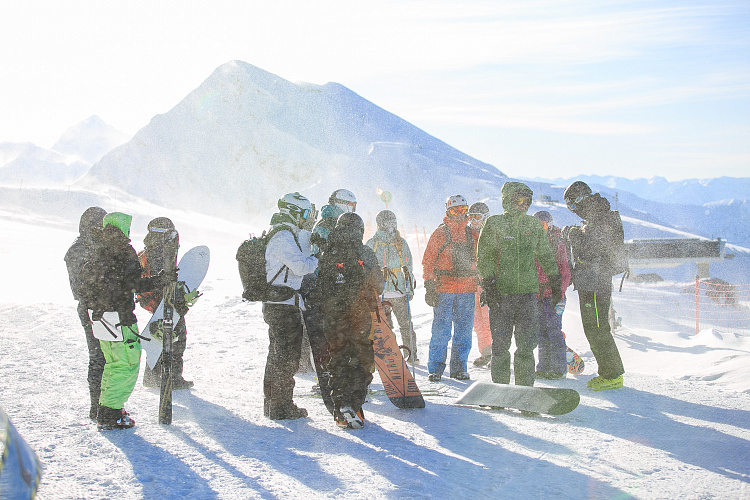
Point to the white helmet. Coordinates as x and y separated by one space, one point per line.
455 201
296 207
344 199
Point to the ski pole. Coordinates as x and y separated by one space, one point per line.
412 334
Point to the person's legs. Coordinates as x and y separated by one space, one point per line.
285 342
463 326
442 325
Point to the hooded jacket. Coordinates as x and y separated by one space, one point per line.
591 245
393 255
83 246
509 244
123 267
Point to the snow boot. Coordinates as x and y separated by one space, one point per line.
285 411
113 418
461 376
483 360
347 418
604 384
434 377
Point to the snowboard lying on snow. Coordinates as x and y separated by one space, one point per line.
547 400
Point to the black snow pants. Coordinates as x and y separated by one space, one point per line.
595 319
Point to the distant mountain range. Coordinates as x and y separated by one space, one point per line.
719 190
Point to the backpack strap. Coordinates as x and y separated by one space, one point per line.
270 235
448 241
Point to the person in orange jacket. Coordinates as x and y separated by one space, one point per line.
450 274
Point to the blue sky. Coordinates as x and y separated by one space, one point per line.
537 88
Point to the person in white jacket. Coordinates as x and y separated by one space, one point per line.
288 258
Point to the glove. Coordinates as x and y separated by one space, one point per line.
166 277
560 308
490 295
192 297
431 296
555 285
319 242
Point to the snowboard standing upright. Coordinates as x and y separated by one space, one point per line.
398 382
171 244
193 267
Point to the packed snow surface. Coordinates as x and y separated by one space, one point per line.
680 428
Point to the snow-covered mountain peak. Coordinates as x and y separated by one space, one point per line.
89 140
244 137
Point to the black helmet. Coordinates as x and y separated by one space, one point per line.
352 220
575 193
479 208
543 216
156 231
92 218
385 219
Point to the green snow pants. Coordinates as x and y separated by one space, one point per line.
122 361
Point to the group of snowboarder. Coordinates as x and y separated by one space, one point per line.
105 275
502 275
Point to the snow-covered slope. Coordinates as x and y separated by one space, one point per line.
245 137
679 429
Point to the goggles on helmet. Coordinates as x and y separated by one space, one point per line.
574 204
458 210
352 204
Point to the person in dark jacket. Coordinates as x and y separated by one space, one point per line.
123 278
349 284
81 249
509 246
152 262
591 246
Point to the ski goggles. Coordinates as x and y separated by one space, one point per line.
352 204
478 216
521 200
458 210
575 203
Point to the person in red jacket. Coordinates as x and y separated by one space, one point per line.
553 362
450 274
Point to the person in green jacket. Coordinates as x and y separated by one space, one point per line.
508 246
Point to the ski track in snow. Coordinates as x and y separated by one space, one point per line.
662 436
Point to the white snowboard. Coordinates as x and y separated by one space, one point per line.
193 267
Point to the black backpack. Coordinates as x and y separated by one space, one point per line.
463 254
100 280
251 256
618 259
341 276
